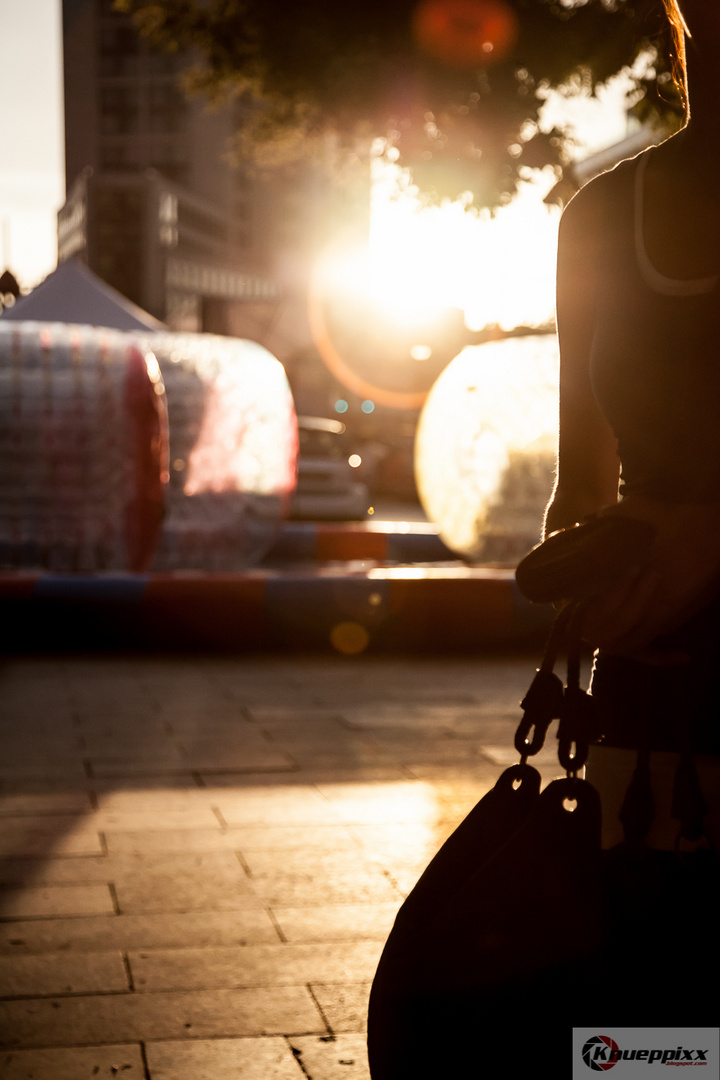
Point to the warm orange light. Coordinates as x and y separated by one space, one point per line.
349 638
338 366
465 33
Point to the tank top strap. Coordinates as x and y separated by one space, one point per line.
656 281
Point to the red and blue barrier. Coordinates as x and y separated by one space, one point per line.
396 609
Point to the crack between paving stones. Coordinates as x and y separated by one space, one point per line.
128 971
114 897
319 1008
57 998
278 927
243 863
143 1056
297 1054
393 882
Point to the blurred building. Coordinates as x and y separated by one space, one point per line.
153 205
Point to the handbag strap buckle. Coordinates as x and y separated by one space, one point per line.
549 699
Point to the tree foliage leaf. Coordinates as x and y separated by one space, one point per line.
363 71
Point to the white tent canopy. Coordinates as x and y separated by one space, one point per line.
74 294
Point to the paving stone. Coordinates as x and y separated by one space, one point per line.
317 731
138 728
154 803
241 738
300 837
336 769
457 752
287 877
28 766
295 718
190 817
268 1058
194 881
333 758
20 748
123 866
226 717
381 803
59 834
344 1007
32 804
342 1057
252 760
279 804
177 841
458 787
397 715
337 922
166 930
154 889
265 759
52 900
151 749
114 1018
253 965
56 973
505 754
170 782
168 759
121 1062
408 843
312 877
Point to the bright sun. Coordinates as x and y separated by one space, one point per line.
498 270
422 261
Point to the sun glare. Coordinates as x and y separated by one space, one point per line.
420 259
420 263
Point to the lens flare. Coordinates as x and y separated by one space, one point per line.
465 33
349 638
336 363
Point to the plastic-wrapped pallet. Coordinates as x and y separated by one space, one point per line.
233 451
83 449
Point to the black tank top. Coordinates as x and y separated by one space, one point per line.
655 362
655 369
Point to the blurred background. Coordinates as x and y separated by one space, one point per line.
374 203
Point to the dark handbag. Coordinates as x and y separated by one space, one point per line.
579 562
503 914
521 928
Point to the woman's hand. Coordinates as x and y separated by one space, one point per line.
681 576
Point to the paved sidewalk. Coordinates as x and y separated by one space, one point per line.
200 858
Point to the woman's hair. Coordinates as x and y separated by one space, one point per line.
677 49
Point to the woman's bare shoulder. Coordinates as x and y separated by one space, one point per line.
587 213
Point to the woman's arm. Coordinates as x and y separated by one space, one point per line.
682 573
588 467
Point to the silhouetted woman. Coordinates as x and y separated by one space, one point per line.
638 310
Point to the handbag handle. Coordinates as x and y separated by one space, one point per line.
549 699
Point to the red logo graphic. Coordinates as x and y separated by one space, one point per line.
601 1053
